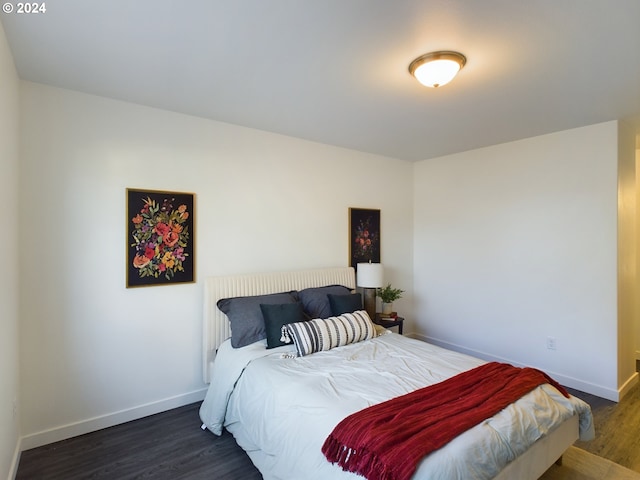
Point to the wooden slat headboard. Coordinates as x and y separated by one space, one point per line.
216 328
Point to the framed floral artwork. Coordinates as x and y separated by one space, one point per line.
364 236
160 238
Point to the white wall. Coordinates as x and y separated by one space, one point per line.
94 352
518 242
9 115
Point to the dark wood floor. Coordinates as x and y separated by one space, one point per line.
168 445
617 428
171 445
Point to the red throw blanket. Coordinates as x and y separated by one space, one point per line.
387 441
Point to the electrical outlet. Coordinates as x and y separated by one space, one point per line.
551 343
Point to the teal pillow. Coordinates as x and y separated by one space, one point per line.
276 316
345 303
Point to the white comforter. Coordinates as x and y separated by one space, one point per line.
281 409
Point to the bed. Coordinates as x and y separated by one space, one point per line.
281 407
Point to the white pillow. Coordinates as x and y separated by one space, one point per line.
324 334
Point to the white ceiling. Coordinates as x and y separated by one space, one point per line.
335 71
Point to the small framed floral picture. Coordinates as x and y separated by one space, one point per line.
364 236
160 238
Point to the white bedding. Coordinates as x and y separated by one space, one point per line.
281 409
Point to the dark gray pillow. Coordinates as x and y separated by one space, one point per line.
247 323
345 303
315 301
276 316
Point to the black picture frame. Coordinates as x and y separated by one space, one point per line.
364 236
160 237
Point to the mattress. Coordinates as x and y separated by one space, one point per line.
281 408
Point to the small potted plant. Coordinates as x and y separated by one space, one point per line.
388 295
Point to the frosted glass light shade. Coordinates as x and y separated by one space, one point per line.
437 68
370 275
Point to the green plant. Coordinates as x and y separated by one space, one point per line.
389 294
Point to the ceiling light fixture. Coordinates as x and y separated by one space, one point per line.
437 68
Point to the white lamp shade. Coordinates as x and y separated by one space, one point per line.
437 73
437 68
370 275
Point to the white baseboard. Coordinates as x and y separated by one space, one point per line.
628 385
13 469
97 423
598 390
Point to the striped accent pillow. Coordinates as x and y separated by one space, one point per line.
324 334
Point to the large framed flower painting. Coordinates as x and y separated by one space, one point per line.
160 238
364 236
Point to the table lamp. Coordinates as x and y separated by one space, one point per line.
369 277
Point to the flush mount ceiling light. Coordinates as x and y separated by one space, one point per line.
437 68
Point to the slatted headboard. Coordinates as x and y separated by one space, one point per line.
216 328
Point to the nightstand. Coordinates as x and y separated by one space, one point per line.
390 323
